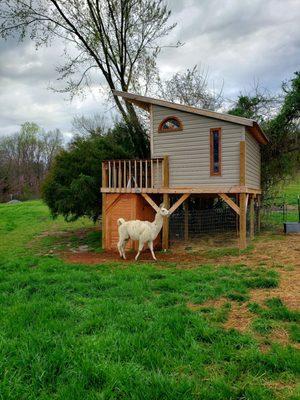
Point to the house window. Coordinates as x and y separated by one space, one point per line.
215 151
170 124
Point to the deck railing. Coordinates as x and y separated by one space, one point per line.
134 174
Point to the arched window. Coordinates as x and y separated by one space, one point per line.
170 124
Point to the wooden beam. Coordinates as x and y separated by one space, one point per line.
178 202
247 199
165 231
206 113
112 203
140 104
251 217
150 201
243 221
230 202
242 163
195 190
143 101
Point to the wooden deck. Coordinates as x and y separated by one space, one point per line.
152 176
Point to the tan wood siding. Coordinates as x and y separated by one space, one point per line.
253 162
189 151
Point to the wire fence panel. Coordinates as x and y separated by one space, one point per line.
194 223
208 216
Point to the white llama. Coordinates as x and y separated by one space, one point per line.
143 231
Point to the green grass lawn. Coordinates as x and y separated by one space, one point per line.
124 331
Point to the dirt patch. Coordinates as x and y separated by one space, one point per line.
113 256
288 291
239 318
282 254
215 303
278 251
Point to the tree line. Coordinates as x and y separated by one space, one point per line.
25 159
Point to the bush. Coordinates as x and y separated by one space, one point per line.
72 187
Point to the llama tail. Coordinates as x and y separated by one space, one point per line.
120 221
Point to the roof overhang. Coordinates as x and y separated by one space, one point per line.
146 102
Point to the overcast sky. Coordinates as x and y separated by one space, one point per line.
239 42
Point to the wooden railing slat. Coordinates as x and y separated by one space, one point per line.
115 175
120 175
109 174
152 186
124 166
146 174
129 173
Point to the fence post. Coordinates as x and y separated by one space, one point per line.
165 232
166 200
243 221
258 213
186 220
251 216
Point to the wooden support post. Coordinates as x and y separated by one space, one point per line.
251 217
104 185
166 201
242 163
243 221
165 231
186 220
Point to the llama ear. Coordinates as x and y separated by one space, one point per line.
161 205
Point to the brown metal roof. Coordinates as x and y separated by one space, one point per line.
145 102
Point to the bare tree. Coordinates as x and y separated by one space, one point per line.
257 103
93 125
191 88
25 158
118 38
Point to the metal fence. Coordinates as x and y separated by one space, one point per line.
201 219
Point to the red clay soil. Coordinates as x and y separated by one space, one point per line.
111 256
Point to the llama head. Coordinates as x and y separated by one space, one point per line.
163 211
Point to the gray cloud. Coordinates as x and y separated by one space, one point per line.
237 41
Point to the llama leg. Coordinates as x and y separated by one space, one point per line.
123 248
150 244
120 248
141 245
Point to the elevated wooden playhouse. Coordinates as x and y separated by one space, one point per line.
194 152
